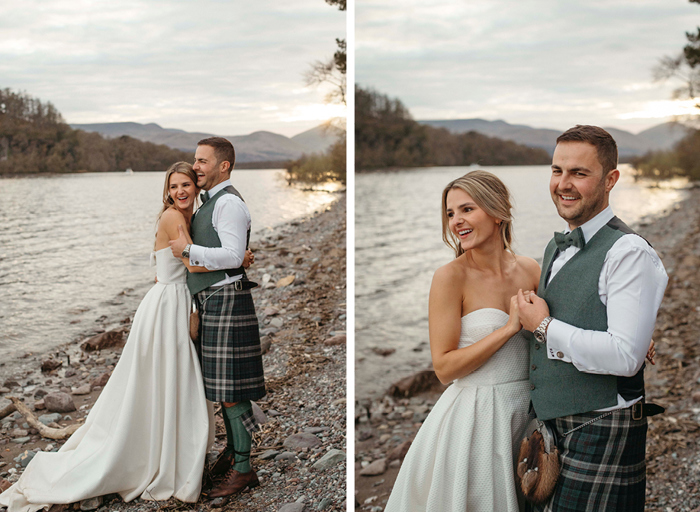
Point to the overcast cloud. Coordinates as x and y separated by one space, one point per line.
544 63
216 66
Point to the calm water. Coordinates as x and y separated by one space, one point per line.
398 246
74 249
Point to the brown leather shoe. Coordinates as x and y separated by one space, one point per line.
234 482
222 464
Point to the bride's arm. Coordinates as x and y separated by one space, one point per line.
445 324
169 222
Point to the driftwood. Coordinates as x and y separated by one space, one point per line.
44 431
7 410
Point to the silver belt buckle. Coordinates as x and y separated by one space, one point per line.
637 411
238 285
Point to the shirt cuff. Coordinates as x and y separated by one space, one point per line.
558 336
197 255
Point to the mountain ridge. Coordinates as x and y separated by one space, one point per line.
257 146
659 137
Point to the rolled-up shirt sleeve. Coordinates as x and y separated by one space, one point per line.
631 285
231 220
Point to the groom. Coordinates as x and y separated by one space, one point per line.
230 354
592 321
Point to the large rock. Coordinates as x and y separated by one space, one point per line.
301 440
4 485
108 339
339 339
59 402
399 452
417 383
292 507
100 381
50 365
330 459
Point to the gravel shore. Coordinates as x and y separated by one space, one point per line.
386 426
300 452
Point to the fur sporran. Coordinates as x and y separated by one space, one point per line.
194 323
538 464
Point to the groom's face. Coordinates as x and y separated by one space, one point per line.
578 187
209 171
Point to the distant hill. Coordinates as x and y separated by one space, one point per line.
255 147
662 136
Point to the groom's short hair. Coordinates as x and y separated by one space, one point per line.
605 145
223 150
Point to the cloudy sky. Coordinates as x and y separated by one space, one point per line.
544 63
215 66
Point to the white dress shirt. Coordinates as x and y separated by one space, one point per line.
631 285
231 221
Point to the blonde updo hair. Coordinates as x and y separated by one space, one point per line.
491 195
182 168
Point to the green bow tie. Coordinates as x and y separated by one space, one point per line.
575 238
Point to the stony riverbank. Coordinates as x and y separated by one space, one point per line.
299 453
386 426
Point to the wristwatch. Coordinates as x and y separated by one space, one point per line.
541 332
186 251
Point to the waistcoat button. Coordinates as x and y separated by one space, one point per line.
534 367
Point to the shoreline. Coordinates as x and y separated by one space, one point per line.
386 425
303 327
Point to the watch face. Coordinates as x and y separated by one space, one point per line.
538 336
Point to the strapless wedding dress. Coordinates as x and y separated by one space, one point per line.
463 457
148 433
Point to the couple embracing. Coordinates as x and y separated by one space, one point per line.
565 343
150 429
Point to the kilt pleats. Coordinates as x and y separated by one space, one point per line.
230 353
603 464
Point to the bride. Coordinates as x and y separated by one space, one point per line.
463 457
148 433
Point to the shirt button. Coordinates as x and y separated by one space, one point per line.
534 367
560 354
196 263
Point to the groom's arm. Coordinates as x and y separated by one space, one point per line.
633 282
231 220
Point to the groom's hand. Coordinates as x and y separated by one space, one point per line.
178 245
533 310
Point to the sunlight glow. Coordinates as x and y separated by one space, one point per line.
665 108
316 112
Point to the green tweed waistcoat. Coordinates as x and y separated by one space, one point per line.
557 388
204 234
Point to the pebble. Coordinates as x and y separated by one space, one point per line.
330 459
59 402
301 440
378 467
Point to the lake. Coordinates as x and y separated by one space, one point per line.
74 248
398 247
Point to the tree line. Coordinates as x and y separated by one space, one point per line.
684 158
387 136
34 138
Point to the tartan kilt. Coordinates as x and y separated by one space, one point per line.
229 351
603 464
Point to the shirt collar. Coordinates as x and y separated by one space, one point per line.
591 227
215 189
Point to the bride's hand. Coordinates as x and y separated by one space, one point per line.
514 319
248 259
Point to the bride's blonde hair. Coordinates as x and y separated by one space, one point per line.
491 195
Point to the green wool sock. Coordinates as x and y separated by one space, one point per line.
242 440
229 432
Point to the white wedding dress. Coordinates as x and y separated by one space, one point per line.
463 457
148 433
